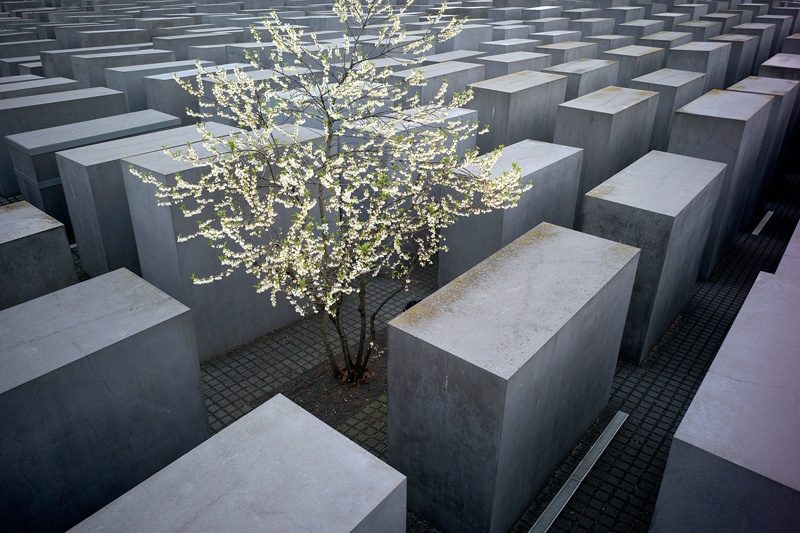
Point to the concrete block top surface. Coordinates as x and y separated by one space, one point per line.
772 86
699 46
726 104
745 411
659 182
82 133
518 81
532 155
581 66
635 50
41 335
733 37
504 310
778 60
55 98
276 469
610 100
670 77
21 219
150 142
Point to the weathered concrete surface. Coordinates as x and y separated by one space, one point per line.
496 359
276 469
727 127
733 461
662 204
99 389
612 125
34 255
710 58
586 76
554 172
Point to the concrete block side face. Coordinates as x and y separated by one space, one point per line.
469 241
647 231
35 265
444 427
551 199
556 396
701 491
589 131
154 234
97 427
80 201
389 515
679 272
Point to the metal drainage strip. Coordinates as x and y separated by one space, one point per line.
561 499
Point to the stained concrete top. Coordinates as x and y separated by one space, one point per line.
276 469
733 37
659 182
610 100
566 45
532 155
55 98
439 69
150 142
726 104
510 57
773 86
517 81
21 219
504 310
746 410
753 26
666 35
41 335
90 131
581 66
670 77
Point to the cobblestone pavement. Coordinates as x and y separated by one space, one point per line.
620 492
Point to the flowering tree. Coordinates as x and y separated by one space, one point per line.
337 175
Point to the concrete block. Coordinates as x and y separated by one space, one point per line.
662 204
739 122
635 61
695 11
592 26
582 13
586 76
98 207
765 34
783 66
457 74
461 372
790 11
640 28
671 20
675 89
701 30
67 35
45 110
100 387
110 37
226 313
518 106
89 70
609 42
728 20
666 39
624 14
34 158
179 44
27 48
710 58
130 79
34 255
508 45
742 57
567 51
789 267
612 125
554 172
791 45
38 86
785 99
733 462
469 39
57 62
783 24
504 64
558 36
307 484
549 24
